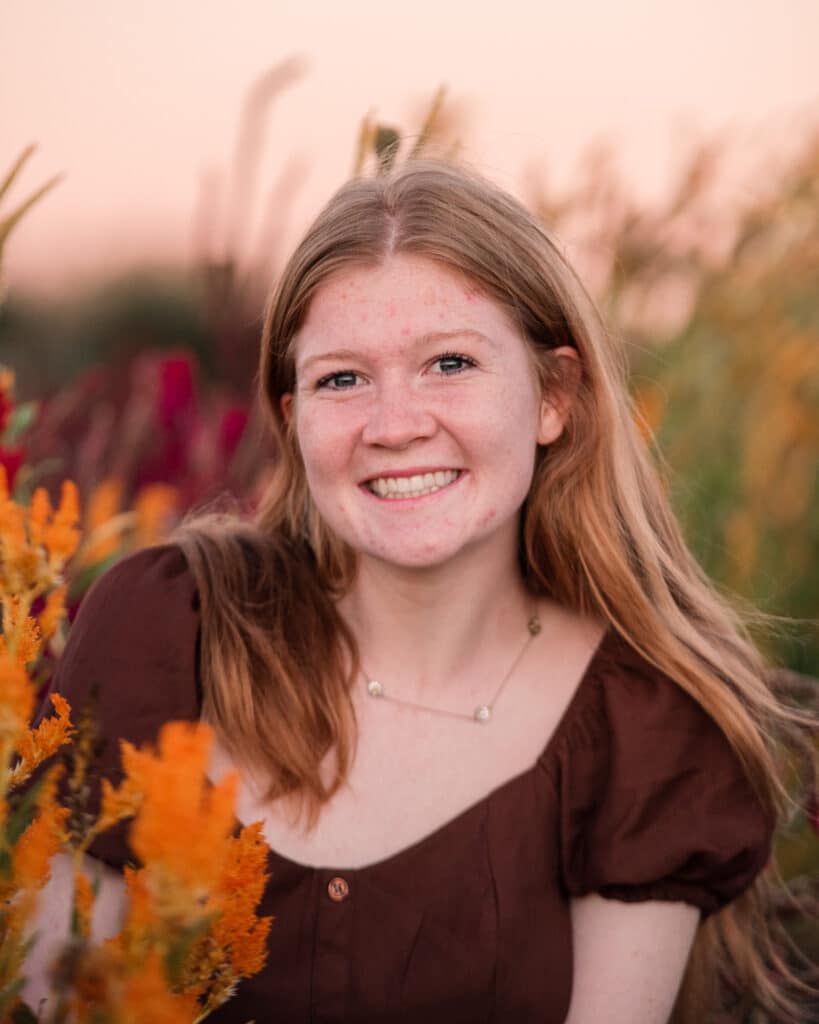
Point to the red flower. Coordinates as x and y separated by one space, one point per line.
231 428
6 409
176 400
11 459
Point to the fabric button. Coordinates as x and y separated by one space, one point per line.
338 889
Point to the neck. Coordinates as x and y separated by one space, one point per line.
437 631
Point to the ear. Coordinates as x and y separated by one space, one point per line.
556 403
286 407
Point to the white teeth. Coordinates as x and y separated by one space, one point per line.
412 486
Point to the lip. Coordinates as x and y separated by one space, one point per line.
405 502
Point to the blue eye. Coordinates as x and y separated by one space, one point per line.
451 363
338 381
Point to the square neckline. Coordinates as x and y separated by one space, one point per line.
583 686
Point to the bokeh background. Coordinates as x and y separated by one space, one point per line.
672 148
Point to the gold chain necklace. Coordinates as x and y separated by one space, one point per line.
483 712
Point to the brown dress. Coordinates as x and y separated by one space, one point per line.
636 796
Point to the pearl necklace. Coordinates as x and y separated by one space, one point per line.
483 712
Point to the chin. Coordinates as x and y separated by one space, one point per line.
411 559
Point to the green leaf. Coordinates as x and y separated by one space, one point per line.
178 951
85 577
23 814
19 421
29 477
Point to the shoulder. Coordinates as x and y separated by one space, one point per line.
655 803
133 645
626 703
144 576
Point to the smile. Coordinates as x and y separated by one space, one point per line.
397 487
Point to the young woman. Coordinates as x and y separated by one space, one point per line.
508 745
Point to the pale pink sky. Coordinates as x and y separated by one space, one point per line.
136 101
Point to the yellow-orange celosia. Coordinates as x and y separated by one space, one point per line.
36 745
145 998
119 803
32 853
104 502
83 903
40 513
53 613
178 802
61 535
27 638
238 930
16 700
156 507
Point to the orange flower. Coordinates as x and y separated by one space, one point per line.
140 913
61 535
83 903
178 803
103 504
27 641
53 613
21 568
37 745
39 514
34 849
16 700
146 999
116 804
238 930
93 984
156 507
12 518
22 631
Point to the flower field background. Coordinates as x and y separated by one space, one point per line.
141 390
143 387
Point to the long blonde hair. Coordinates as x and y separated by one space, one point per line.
597 533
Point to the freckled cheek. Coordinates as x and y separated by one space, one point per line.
324 451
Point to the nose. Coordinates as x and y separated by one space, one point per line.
397 417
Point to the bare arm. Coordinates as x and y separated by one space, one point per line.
629 959
52 920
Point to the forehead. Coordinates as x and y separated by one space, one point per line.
397 301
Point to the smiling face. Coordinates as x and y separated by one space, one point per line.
417 412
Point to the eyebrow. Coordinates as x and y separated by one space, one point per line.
430 338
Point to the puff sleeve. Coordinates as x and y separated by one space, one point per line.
654 802
135 642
